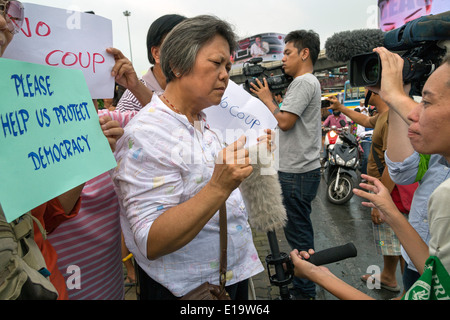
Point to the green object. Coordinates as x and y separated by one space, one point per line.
423 166
50 137
434 284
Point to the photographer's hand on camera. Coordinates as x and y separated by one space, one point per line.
392 89
286 120
263 92
335 104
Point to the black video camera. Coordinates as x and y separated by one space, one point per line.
421 43
254 70
325 104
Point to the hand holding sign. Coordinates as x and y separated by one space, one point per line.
124 74
123 70
112 130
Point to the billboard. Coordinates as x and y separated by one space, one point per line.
396 13
269 46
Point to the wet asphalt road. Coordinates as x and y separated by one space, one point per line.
334 225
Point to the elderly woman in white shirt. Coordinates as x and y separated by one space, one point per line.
174 174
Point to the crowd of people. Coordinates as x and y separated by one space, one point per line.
161 203
415 152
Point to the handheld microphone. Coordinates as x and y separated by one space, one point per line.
333 255
342 46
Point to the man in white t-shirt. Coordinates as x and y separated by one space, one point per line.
299 121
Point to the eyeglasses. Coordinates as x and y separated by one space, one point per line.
13 12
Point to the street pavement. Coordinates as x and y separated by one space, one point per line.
334 225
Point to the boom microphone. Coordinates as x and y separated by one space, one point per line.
342 46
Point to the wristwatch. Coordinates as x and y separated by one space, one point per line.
276 111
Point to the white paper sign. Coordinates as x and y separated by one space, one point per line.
240 113
67 39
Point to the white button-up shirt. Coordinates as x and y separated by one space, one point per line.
162 162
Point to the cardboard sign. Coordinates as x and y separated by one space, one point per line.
67 39
240 113
50 136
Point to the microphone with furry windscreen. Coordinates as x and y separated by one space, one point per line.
264 202
262 193
342 46
263 199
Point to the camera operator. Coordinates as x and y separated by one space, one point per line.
428 130
405 164
299 120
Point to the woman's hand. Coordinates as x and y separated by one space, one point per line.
304 269
391 86
123 71
125 75
232 166
112 131
268 139
379 199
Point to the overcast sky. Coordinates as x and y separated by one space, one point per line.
249 17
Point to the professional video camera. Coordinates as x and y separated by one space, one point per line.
254 70
422 44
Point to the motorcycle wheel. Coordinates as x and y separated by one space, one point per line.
344 191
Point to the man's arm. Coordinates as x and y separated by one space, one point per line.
357 117
286 120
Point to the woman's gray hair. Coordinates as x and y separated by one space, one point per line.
181 46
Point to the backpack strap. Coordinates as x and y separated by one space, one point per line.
23 272
380 166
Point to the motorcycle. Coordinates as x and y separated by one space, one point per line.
331 138
340 168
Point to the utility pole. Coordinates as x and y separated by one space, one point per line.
127 14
